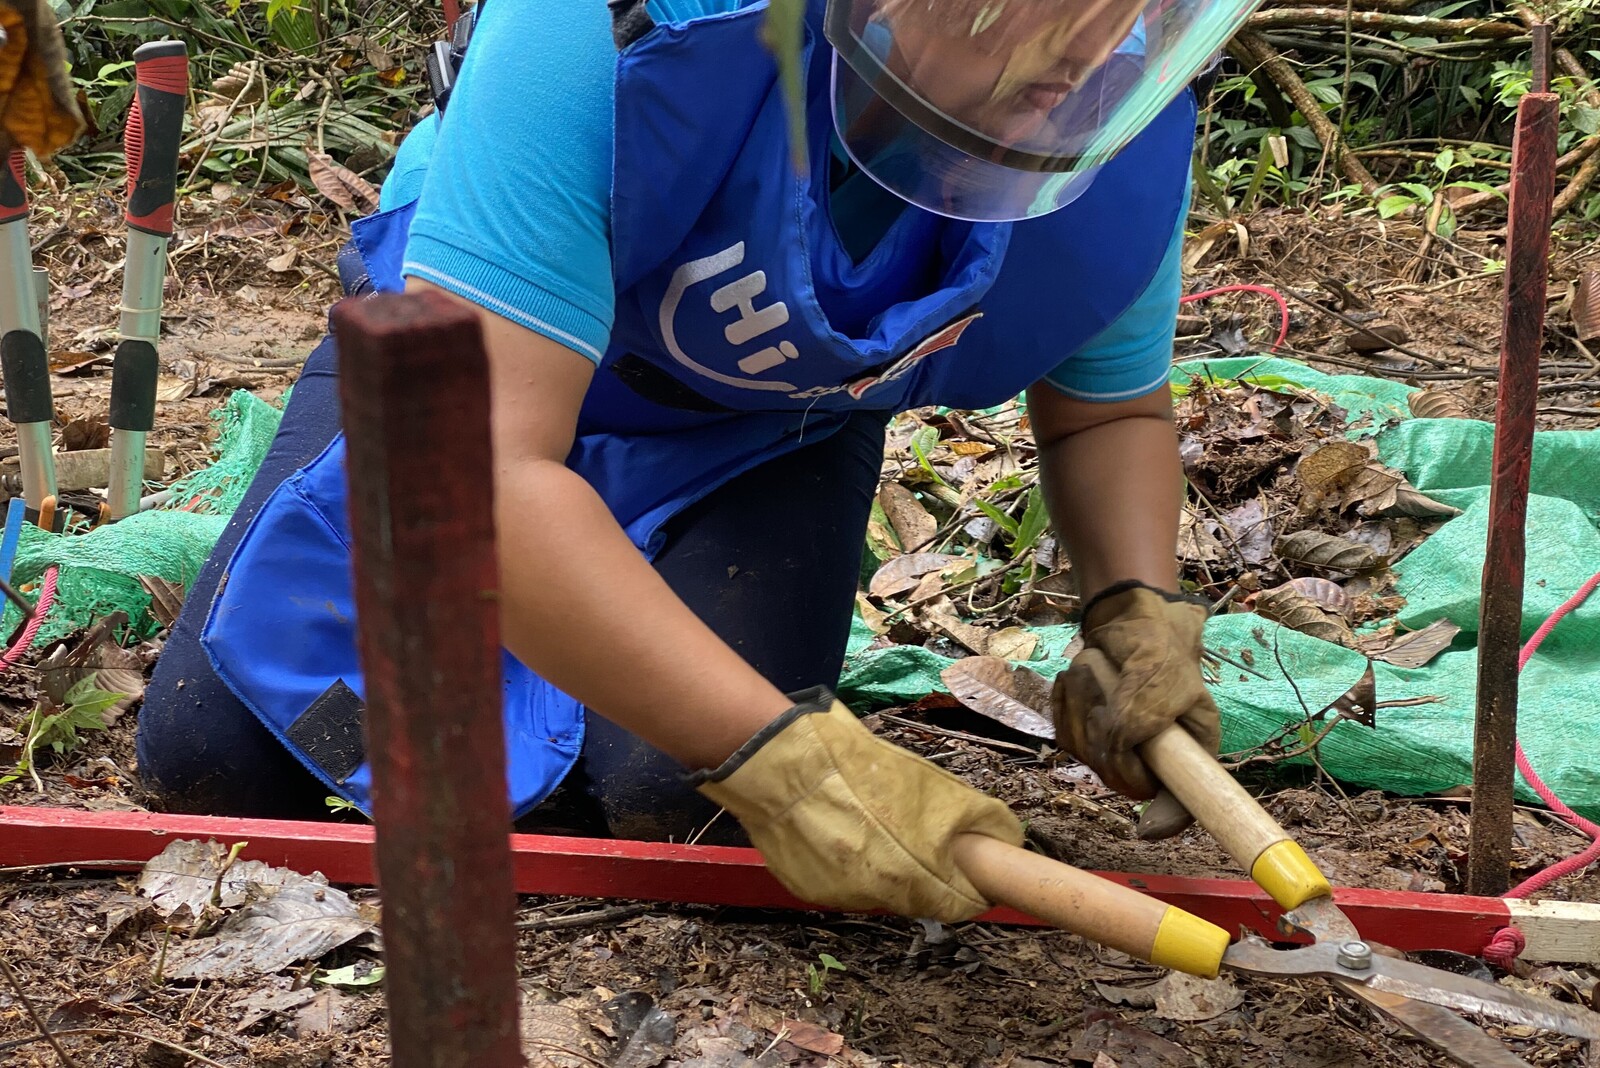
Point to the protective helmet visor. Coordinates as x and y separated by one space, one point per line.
994 110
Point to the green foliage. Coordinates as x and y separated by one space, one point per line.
1428 114
345 77
56 729
817 978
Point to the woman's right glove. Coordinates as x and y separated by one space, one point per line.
849 820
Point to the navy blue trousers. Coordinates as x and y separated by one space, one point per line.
769 561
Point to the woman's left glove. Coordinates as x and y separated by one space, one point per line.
1139 673
849 820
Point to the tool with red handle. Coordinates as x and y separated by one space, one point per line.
22 355
155 127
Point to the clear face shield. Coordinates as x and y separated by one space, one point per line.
996 110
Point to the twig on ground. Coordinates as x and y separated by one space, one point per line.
33 1014
962 736
576 920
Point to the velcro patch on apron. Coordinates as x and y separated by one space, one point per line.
329 732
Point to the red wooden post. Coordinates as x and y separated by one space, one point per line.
414 383
1533 155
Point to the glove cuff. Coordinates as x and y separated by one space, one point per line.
1135 584
816 699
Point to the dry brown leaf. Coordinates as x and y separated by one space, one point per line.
811 1038
1324 593
1586 305
942 617
1417 648
1436 404
283 263
971 448
1408 500
1376 337
1331 464
1359 702
166 598
912 523
1012 643
344 187
1317 549
1196 543
555 1036
170 388
1293 609
1135 997
1016 696
903 572
1190 999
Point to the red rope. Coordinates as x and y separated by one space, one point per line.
1508 942
1283 305
47 597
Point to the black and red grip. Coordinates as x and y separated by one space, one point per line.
155 128
14 186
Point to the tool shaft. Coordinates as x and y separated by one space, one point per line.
1085 904
26 365
143 276
150 141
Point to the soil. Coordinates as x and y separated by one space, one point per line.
246 301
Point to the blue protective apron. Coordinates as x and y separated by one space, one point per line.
741 324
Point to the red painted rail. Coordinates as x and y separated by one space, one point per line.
654 871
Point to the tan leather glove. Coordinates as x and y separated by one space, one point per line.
849 820
1138 674
38 108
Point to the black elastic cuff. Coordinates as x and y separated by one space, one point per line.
1134 584
816 699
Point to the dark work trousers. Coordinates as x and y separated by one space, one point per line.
769 561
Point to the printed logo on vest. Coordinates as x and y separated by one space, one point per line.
942 338
752 324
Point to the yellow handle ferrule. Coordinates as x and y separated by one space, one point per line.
1289 876
1186 943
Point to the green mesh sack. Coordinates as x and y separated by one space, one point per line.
100 569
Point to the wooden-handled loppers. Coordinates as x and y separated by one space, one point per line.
150 141
1418 997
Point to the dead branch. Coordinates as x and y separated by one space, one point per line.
1252 51
1284 17
1584 153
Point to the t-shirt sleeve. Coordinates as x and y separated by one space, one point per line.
1131 357
514 213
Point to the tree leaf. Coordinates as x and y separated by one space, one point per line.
901 573
1293 609
346 188
1316 549
1035 521
1417 648
1330 465
1003 521
1436 404
912 523
1324 593
295 922
1015 696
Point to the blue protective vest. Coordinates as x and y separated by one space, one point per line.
740 321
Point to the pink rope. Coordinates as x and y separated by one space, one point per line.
1283 305
1508 942
47 597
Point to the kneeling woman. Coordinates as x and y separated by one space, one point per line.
694 350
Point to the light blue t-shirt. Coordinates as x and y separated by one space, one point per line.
513 191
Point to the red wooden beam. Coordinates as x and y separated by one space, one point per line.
718 875
414 386
1533 156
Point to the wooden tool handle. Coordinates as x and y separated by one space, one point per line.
1096 908
1235 819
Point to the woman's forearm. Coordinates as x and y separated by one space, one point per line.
1114 491
586 611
